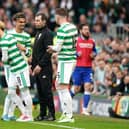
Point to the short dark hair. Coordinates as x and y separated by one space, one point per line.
62 12
19 15
43 16
82 25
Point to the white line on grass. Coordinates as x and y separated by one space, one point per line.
55 125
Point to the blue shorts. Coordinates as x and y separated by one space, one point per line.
82 75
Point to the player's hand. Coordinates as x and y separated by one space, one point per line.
79 54
49 49
36 70
29 59
92 55
30 70
21 47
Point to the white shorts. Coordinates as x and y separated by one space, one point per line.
64 72
22 79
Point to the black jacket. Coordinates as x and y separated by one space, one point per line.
40 57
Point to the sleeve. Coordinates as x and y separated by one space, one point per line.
60 40
4 53
57 47
94 48
48 40
28 47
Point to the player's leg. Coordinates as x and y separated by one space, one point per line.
26 97
12 107
8 102
87 79
63 79
23 81
11 111
15 99
76 80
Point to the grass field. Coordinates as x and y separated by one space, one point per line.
81 122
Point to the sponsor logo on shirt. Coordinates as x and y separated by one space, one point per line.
85 45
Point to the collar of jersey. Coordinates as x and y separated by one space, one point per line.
64 23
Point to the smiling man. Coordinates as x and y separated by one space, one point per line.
24 45
17 74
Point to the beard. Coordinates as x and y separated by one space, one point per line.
86 36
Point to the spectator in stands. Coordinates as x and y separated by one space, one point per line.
106 46
115 81
82 19
126 85
125 63
99 78
53 4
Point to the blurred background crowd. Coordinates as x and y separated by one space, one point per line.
108 21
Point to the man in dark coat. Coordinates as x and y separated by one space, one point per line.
42 68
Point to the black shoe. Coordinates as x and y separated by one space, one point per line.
40 118
51 116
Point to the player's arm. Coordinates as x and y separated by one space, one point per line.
94 53
4 55
55 48
4 49
21 47
28 50
59 42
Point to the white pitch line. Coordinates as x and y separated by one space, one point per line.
55 125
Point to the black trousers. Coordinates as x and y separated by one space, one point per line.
44 88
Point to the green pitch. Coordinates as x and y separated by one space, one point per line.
81 122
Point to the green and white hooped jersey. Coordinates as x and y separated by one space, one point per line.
16 61
22 38
67 36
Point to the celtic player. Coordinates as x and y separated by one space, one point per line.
65 47
18 73
24 45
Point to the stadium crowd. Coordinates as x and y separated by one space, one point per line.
99 14
111 65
